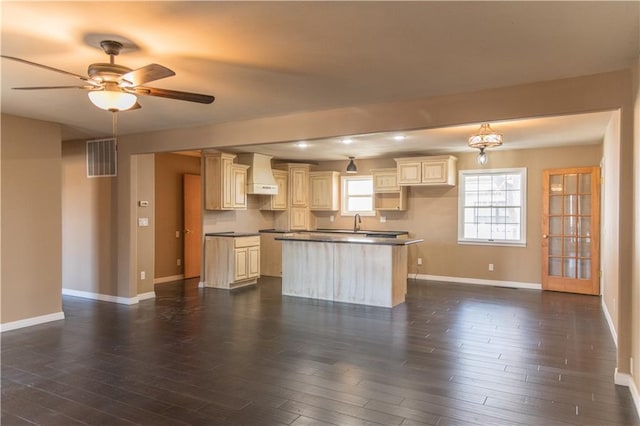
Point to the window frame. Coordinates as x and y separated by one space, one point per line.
343 196
462 175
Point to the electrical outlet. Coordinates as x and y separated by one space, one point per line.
419 261
177 234
179 262
383 219
332 218
491 267
143 275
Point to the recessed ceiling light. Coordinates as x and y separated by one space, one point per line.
399 137
347 141
302 144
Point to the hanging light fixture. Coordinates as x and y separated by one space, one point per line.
485 138
112 98
351 167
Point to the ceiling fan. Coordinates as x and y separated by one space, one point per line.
114 87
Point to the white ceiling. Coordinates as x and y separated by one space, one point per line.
273 58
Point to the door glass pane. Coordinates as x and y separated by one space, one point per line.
555 205
570 225
584 227
555 266
570 204
584 268
585 183
555 246
571 184
569 246
555 226
584 247
555 184
569 268
584 204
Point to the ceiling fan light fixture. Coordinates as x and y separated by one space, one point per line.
112 100
351 167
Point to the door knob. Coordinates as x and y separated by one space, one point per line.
188 231
545 236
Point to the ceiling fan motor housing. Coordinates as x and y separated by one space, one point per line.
107 72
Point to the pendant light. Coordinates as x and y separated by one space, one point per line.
485 138
351 167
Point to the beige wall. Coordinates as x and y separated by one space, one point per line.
31 219
433 216
143 167
169 210
635 328
88 209
610 240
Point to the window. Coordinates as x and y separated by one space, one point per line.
357 196
492 207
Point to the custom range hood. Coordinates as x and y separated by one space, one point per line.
259 177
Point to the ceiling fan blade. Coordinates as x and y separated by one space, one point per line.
54 87
46 67
146 74
135 106
173 94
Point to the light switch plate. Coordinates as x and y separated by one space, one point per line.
143 221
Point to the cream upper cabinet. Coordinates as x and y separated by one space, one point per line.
425 171
388 195
385 180
299 186
278 201
324 189
225 183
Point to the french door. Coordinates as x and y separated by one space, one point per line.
571 230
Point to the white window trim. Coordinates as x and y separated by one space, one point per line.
343 196
523 212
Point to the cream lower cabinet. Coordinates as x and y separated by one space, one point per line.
427 171
232 262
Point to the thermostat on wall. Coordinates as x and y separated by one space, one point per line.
143 203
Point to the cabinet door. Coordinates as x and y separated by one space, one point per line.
241 264
227 184
279 201
434 171
385 181
299 186
239 179
254 262
410 173
299 218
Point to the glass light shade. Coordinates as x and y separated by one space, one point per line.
351 167
485 138
112 100
482 158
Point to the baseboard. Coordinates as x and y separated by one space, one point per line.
624 379
612 329
102 297
28 322
146 296
168 279
477 281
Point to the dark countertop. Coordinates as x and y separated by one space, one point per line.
231 234
363 232
345 239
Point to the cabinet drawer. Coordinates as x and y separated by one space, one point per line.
246 241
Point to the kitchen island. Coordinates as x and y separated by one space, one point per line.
345 268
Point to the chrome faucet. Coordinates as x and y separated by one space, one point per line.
356 222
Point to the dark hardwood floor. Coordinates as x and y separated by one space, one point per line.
452 355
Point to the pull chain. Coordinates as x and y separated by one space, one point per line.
115 123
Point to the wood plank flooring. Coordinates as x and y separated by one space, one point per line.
451 355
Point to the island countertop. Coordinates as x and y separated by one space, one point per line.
344 239
231 234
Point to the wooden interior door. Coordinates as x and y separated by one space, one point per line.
192 185
571 230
